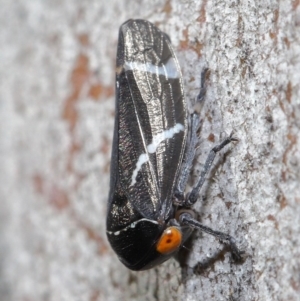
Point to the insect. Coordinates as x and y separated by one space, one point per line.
149 216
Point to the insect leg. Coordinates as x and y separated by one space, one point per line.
202 92
193 196
187 219
187 163
192 139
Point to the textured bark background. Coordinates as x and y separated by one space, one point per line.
56 123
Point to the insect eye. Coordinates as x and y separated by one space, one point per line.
169 241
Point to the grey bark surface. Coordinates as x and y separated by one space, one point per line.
56 124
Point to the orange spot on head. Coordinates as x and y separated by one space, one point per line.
169 241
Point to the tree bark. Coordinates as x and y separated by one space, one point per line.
56 123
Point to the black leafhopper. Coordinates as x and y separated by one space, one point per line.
149 216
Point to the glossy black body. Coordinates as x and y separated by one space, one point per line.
149 105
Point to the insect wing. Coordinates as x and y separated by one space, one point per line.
151 122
